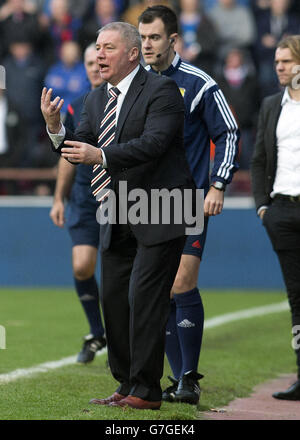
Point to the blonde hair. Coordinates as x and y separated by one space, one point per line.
291 42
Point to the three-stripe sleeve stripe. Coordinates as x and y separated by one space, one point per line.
227 164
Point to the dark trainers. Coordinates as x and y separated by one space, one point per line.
168 394
188 390
90 346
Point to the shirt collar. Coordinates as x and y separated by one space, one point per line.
173 66
286 98
124 84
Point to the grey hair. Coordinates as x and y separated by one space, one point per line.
129 33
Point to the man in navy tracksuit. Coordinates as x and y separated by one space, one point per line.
207 117
81 221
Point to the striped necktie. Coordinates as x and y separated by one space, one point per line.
101 178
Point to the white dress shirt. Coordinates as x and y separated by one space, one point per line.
287 178
123 86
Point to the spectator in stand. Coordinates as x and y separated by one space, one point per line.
18 20
24 80
122 5
68 77
239 85
272 25
5 7
209 4
132 14
105 12
295 7
62 25
199 39
234 24
259 6
79 8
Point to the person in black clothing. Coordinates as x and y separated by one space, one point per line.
17 22
276 180
139 261
80 218
24 79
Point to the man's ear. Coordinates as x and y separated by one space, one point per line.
173 39
133 54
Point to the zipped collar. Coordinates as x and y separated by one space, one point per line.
172 68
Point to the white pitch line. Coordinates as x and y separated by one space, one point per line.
244 314
209 323
41 368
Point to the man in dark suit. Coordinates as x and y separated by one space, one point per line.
73 184
276 179
139 261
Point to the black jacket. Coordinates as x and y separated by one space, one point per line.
264 161
148 151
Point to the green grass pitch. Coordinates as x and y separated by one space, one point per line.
48 324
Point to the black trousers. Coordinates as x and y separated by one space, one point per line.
282 222
135 291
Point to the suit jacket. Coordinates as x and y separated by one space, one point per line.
148 150
264 160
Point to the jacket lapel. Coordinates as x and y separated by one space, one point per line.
134 90
273 121
275 113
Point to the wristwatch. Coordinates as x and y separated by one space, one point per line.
218 185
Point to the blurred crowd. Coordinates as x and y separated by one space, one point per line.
42 42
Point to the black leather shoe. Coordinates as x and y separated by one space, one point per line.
89 348
292 393
188 390
168 394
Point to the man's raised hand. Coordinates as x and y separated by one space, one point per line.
51 110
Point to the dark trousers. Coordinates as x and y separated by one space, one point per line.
282 221
135 290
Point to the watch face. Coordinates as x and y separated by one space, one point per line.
219 185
